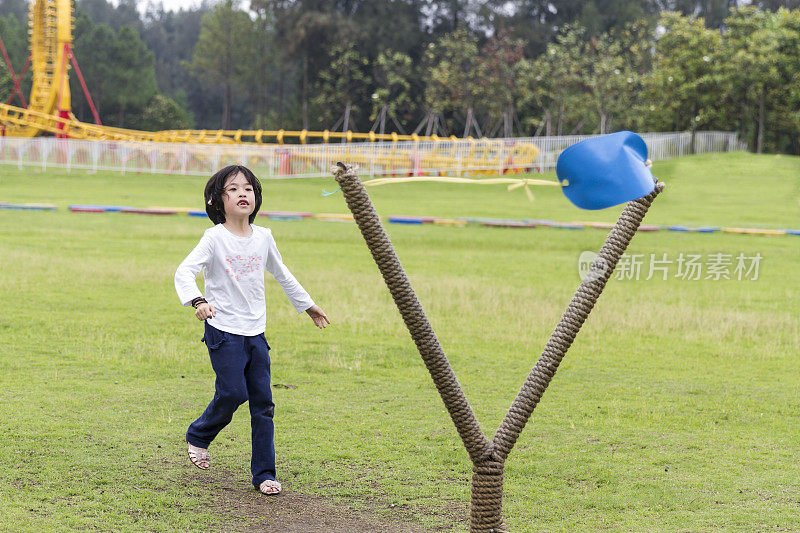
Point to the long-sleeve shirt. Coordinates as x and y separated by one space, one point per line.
233 269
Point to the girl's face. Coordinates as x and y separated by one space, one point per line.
238 200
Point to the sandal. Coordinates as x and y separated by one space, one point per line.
199 457
270 487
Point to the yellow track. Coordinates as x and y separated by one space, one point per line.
50 30
50 112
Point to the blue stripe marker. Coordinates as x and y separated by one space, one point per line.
20 207
539 221
405 220
106 208
567 226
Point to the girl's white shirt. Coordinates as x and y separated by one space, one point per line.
233 269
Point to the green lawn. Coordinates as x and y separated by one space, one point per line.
677 408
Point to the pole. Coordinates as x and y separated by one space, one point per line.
83 86
14 78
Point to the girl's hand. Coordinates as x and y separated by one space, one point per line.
204 311
318 316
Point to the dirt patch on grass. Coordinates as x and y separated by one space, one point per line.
246 510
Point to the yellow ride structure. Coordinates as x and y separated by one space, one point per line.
49 112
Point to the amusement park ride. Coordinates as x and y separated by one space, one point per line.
48 110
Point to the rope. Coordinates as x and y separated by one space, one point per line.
488 457
513 183
578 310
486 505
422 333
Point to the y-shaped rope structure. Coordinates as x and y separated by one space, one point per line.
488 456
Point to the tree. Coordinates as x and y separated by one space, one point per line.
93 45
685 86
6 83
273 18
581 84
498 69
447 16
607 16
609 80
306 32
753 53
118 69
265 61
393 73
171 36
222 54
549 85
763 54
787 106
317 32
134 81
539 22
451 64
116 17
391 25
160 113
343 82
15 38
17 8
712 12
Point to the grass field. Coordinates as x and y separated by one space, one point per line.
677 408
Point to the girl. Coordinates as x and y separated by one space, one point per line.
233 256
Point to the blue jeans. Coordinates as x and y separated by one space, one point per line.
242 367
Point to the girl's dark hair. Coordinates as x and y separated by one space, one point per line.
215 188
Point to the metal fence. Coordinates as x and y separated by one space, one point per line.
460 157
660 146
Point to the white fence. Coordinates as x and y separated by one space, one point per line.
660 146
441 157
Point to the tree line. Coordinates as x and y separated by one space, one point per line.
445 67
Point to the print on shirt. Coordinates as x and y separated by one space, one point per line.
242 266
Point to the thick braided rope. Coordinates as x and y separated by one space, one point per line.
476 443
487 497
578 310
487 457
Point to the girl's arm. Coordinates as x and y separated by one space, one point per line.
186 274
294 291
